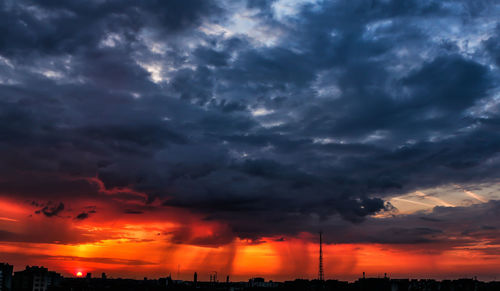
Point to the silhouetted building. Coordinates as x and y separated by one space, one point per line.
335 285
103 276
89 276
259 282
400 285
164 282
373 284
6 277
195 278
35 279
213 277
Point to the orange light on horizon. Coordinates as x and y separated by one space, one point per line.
155 244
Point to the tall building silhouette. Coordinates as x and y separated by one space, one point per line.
35 279
321 276
5 277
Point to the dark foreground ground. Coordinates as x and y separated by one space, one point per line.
368 284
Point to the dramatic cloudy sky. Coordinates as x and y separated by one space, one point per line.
142 137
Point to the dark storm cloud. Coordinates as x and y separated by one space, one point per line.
86 214
82 216
51 209
443 228
318 115
492 45
132 211
448 83
65 27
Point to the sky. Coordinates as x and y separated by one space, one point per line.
147 138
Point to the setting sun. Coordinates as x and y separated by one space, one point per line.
79 274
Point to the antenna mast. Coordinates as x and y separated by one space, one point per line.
321 276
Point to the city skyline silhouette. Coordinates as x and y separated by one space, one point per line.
276 139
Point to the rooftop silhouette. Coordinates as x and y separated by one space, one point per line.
34 278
